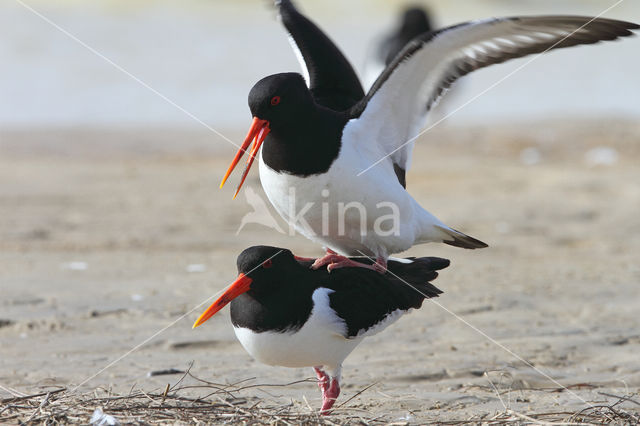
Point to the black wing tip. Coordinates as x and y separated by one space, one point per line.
429 291
621 28
418 275
425 264
584 18
456 238
628 25
433 263
285 8
289 13
468 243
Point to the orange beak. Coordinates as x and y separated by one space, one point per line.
257 133
242 284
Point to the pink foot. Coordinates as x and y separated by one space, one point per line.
309 259
335 261
323 379
329 396
380 265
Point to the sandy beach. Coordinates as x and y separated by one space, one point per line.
112 241
114 235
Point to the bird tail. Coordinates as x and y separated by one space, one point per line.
458 239
416 275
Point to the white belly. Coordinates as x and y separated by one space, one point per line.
320 342
371 213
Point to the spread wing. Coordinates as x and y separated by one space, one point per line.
420 74
329 75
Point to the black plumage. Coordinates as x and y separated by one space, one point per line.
579 30
415 21
333 82
280 298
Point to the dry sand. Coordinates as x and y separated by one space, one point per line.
99 228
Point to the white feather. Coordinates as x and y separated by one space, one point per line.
291 195
397 111
300 58
386 322
320 341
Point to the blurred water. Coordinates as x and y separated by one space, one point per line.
206 55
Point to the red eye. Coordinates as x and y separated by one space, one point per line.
267 263
275 100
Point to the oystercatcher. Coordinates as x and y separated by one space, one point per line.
334 164
286 314
415 21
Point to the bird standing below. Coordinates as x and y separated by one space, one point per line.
334 160
286 314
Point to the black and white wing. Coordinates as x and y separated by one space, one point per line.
414 81
381 299
329 75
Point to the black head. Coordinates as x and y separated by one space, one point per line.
415 21
286 115
279 97
260 262
260 270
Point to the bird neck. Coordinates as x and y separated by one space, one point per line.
281 307
307 145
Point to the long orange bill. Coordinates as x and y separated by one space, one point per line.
257 133
242 284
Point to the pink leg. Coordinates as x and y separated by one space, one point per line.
323 380
335 261
380 265
308 259
329 396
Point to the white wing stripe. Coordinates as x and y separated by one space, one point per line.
303 64
420 75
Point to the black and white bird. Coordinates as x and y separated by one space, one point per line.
414 21
286 314
334 160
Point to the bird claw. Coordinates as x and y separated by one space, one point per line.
325 260
336 261
329 396
323 380
330 388
380 266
